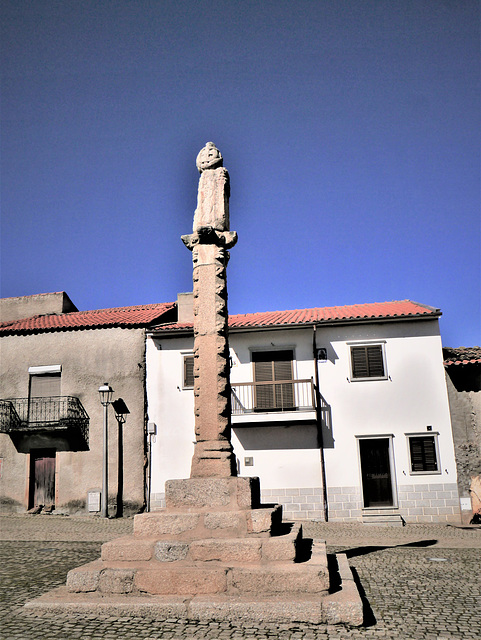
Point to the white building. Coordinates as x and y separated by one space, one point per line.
340 411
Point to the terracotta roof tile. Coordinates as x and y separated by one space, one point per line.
377 310
462 355
136 316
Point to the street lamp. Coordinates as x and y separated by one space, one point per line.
120 410
105 392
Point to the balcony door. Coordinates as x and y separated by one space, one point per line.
272 373
42 477
44 386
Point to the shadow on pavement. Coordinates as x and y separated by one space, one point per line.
362 551
369 619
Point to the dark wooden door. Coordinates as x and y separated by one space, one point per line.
42 477
376 472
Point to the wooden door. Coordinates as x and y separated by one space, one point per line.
376 472
42 477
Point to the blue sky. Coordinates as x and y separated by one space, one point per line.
350 129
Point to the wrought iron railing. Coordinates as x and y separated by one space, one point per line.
28 414
281 395
9 418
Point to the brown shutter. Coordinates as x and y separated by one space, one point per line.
188 371
375 363
271 366
367 361
45 386
423 454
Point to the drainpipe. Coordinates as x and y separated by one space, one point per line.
320 439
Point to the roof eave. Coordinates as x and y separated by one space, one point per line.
157 333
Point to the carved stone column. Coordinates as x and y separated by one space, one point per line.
209 243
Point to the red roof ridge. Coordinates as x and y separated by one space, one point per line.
131 316
127 308
342 306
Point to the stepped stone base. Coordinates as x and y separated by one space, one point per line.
342 607
213 553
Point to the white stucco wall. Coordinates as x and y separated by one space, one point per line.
286 455
171 408
412 397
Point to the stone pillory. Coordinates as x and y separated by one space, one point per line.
214 552
209 243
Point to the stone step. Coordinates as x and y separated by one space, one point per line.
200 578
392 519
343 606
191 525
248 549
229 493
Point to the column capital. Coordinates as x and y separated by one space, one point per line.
209 235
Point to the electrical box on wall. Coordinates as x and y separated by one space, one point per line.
151 428
93 501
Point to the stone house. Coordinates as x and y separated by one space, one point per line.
463 380
54 358
342 412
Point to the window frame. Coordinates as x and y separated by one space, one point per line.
392 469
259 401
367 344
424 434
185 357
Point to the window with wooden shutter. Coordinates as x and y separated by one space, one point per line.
188 382
272 373
367 361
45 386
423 454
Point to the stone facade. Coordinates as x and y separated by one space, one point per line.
87 359
463 379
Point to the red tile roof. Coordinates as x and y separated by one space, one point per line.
131 317
403 309
462 355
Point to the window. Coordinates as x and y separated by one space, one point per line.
272 371
367 361
423 454
188 374
45 386
45 381
44 405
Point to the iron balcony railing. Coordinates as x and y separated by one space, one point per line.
281 395
30 414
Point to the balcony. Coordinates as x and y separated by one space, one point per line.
279 401
59 417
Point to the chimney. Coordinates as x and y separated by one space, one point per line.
185 307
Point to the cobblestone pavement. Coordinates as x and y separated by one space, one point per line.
420 582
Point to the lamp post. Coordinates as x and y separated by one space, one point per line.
120 410
105 392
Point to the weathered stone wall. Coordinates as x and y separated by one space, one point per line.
88 358
465 407
40 304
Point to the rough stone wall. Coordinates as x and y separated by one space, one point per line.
40 304
465 407
88 358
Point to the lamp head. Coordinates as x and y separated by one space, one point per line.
105 393
121 409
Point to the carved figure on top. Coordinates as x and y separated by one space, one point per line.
209 157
